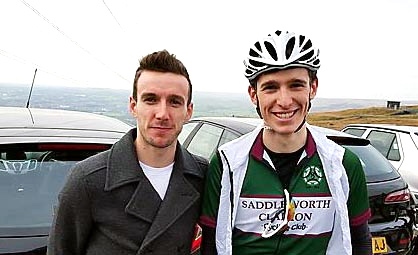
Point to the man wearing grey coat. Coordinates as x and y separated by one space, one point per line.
143 195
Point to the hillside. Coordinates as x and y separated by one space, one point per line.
328 112
407 115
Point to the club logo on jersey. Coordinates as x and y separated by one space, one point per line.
312 176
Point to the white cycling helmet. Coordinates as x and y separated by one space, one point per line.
281 50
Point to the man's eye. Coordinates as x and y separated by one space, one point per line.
297 85
150 100
176 102
269 88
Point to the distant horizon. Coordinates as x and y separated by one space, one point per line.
198 91
114 102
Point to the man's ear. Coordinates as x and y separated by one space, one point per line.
189 112
314 88
252 92
132 106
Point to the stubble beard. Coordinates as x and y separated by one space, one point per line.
152 142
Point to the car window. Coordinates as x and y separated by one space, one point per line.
394 153
227 136
31 176
355 131
185 132
386 143
205 141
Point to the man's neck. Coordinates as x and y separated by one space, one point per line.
284 143
154 156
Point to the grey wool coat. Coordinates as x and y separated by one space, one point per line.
108 206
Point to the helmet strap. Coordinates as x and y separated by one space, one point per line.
257 108
304 118
301 125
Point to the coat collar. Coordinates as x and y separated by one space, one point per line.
123 166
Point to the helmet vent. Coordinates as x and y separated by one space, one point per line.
289 47
256 63
307 56
308 45
253 53
301 40
278 32
257 45
271 50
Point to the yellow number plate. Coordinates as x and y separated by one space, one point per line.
379 245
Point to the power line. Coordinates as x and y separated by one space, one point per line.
111 13
69 38
13 57
40 68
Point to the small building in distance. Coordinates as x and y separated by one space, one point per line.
395 105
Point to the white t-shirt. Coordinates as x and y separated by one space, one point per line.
158 176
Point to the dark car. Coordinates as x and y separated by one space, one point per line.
393 219
37 149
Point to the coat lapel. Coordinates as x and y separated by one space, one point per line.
123 169
145 202
180 196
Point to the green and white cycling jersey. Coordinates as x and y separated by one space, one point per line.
261 200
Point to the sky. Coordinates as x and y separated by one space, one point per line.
368 48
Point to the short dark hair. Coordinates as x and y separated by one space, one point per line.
161 61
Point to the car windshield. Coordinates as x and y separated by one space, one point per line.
376 167
31 175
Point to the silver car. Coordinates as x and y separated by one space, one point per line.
37 149
399 144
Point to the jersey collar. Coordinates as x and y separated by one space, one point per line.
257 150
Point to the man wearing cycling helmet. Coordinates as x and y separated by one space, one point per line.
284 188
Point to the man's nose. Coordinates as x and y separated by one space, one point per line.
162 111
284 98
